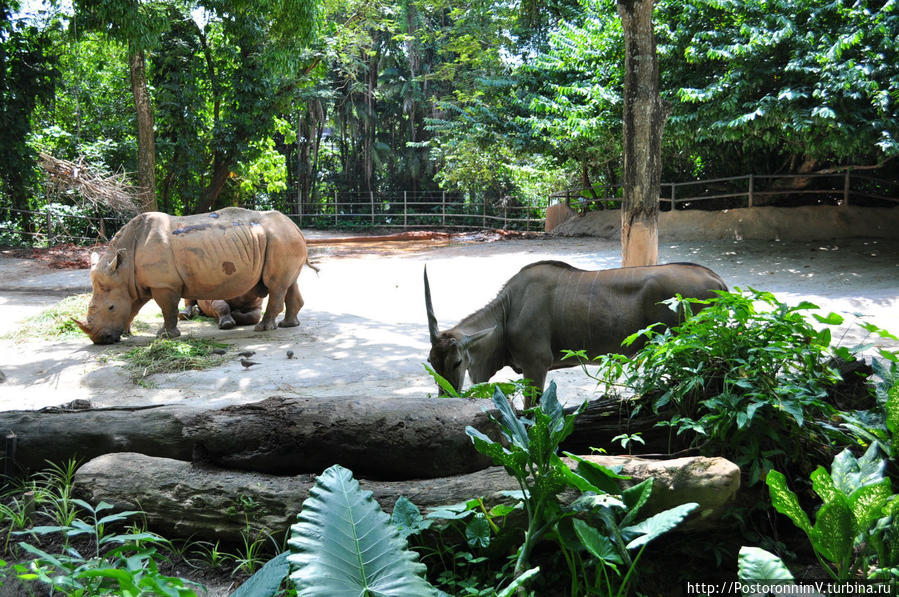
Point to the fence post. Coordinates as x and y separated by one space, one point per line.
443 209
484 211
751 188
846 188
49 229
405 211
335 208
371 196
527 223
673 196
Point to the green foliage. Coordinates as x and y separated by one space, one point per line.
344 544
529 454
853 534
28 75
755 563
747 376
118 564
484 390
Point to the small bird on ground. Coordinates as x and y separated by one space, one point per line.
218 351
289 354
247 353
247 363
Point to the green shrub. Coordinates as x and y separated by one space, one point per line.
747 377
854 535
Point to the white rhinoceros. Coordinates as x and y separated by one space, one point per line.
225 253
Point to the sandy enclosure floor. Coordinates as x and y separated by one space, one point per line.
364 331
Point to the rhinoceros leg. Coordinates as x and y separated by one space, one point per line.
247 317
168 302
293 302
274 306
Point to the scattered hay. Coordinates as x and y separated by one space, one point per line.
173 356
55 322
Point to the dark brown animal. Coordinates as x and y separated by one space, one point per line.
550 306
245 309
227 253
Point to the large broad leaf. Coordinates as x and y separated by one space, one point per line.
834 530
786 502
823 485
892 410
634 498
407 518
658 524
267 580
344 545
850 473
600 546
867 503
756 564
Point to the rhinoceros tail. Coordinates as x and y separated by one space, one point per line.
312 265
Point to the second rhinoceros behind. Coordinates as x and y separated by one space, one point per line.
245 309
225 253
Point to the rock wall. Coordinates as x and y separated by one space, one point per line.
814 222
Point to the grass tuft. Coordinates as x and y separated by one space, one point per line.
55 321
171 356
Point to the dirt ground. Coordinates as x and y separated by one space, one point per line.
363 328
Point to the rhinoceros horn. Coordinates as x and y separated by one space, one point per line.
84 327
432 319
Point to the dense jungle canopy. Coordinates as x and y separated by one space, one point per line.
265 104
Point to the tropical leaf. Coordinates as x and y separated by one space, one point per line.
407 518
658 524
786 502
755 563
267 580
834 530
600 546
849 473
344 544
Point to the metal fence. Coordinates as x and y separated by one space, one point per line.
422 210
752 190
57 223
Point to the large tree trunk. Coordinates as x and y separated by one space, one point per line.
182 499
413 437
146 140
644 121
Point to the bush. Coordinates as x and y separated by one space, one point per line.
747 375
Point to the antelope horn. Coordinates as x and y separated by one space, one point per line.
432 319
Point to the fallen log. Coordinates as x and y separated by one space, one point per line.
388 439
410 437
183 499
59 434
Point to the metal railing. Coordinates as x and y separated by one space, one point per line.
751 190
421 210
58 223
